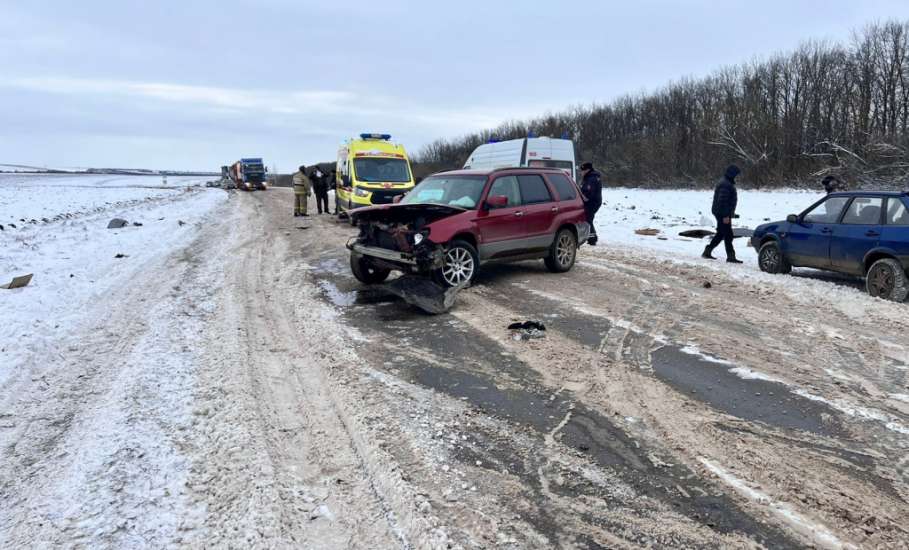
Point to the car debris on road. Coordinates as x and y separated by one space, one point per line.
527 330
424 293
18 282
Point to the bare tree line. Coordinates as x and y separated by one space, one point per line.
840 109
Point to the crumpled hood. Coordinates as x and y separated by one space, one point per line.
402 213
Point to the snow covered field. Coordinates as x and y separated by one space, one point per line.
625 210
42 196
73 255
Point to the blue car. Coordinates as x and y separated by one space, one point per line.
857 233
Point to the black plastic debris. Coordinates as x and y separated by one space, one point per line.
137 224
117 223
525 330
527 325
696 233
121 255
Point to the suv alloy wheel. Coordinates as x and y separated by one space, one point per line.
460 265
563 252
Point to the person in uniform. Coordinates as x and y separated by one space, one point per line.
302 187
592 189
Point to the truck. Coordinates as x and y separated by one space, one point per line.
371 170
249 174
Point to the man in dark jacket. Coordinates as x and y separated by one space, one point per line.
725 199
320 187
832 184
592 190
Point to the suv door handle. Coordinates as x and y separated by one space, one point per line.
872 233
519 214
826 230
555 208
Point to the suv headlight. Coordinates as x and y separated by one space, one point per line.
360 192
420 236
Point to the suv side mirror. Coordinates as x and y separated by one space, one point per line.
497 201
792 218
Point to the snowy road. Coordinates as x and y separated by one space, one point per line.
232 385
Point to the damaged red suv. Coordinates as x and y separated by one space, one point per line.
454 222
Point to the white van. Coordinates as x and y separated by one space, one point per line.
530 151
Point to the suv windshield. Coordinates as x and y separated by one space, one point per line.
373 169
461 191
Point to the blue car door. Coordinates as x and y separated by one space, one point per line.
857 234
895 232
807 243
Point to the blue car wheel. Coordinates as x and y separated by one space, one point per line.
771 259
886 279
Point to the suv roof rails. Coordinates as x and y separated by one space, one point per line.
527 168
502 169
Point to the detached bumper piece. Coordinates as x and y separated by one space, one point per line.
423 293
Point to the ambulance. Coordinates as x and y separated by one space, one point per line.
371 170
536 152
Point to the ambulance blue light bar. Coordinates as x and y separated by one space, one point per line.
384 137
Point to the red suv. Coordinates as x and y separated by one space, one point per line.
454 222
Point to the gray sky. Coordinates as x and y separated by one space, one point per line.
196 84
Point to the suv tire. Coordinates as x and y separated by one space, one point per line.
563 251
886 279
771 259
461 263
364 270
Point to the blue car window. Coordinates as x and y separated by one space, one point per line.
864 211
827 211
897 213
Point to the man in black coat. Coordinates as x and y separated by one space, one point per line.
592 190
725 199
832 184
320 187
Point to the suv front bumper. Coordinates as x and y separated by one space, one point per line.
383 254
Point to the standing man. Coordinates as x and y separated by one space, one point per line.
301 192
831 184
320 187
725 199
592 190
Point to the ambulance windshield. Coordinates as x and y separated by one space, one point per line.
384 170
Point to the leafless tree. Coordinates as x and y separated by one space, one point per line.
824 108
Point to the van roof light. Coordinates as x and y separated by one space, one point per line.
565 135
384 137
531 134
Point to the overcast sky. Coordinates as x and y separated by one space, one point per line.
197 84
